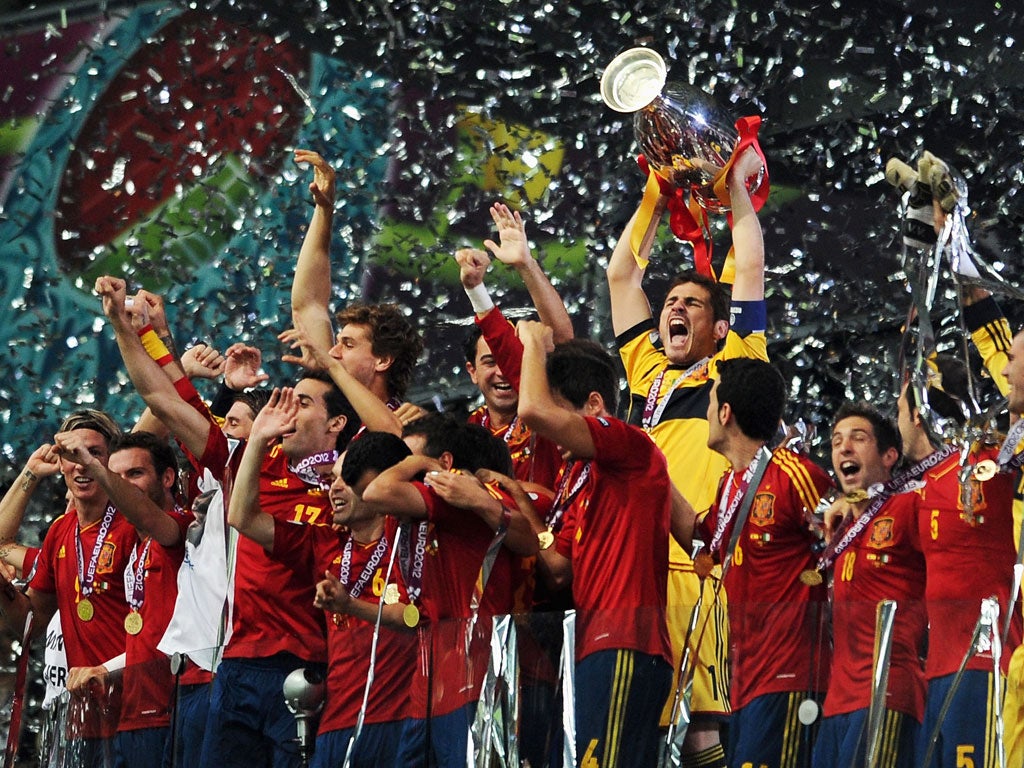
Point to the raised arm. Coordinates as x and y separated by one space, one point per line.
469 493
140 510
42 463
372 411
748 244
393 488
154 386
625 283
311 288
513 249
537 406
245 515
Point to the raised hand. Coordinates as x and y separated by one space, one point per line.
242 367
512 247
331 594
473 265
323 184
202 362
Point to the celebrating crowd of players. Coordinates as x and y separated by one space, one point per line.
325 525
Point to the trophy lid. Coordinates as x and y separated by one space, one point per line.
633 79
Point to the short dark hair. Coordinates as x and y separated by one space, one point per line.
472 447
391 335
887 435
757 394
469 344
374 451
948 388
578 367
720 297
159 450
89 418
337 405
253 399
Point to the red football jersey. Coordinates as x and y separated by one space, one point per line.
967 560
617 538
273 610
778 632
148 683
93 642
314 549
457 541
884 562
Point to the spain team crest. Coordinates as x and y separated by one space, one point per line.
762 511
105 562
881 533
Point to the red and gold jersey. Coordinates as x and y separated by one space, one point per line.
313 549
884 562
457 541
617 537
274 611
969 556
778 630
148 683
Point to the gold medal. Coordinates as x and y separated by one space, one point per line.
811 577
390 594
545 539
85 609
857 496
985 470
702 564
411 616
133 623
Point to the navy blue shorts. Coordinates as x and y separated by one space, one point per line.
377 746
766 733
249 725
141 748
619 698
447 736
842 739
968 732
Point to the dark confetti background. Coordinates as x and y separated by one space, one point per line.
154 141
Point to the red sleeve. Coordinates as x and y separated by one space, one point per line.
505 345
43 580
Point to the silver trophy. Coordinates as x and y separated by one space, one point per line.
684 137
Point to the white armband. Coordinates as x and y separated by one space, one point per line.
480 299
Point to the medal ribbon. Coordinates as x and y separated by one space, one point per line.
346 563
653 410
1008 460
753 477
411 566
564 500
85 581
304 469
135 577
898 484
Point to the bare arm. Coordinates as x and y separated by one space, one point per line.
537 406
372 411
683 520
748 245
244 512
513 249
140 510
311 288
42 463
625 284
154 386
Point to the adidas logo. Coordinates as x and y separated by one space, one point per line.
282 483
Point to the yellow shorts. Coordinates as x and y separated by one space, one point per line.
1013 709
709 643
